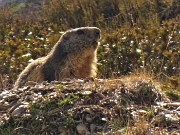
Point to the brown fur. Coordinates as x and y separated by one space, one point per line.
73 56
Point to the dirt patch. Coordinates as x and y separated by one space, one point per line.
91 106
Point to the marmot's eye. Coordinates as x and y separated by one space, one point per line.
80 32
98 33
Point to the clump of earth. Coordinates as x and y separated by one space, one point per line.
89 107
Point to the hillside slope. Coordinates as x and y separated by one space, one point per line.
22 6
5 3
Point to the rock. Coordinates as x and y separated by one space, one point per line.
82 129
19 111
92 128
89 118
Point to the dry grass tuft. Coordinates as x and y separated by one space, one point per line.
141 127
4 82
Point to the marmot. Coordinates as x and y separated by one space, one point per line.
73 56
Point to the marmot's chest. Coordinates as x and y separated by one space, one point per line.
82 67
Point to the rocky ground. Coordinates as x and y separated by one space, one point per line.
131 105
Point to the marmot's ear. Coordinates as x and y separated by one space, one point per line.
80 32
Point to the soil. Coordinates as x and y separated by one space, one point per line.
91 106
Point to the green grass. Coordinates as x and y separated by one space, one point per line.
68 100
7 131
173 94
18 7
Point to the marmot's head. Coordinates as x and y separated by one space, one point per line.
82 38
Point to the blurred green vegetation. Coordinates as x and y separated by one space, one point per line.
135 34
18 7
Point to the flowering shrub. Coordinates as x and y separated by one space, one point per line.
133 35
22 43
155 49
